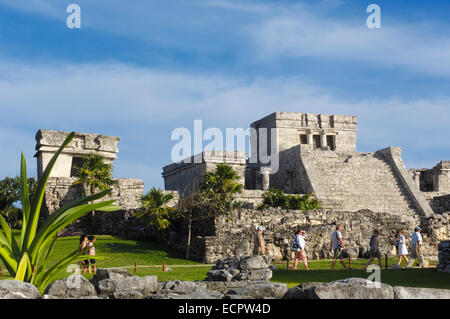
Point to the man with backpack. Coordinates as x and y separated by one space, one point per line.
374 251
298 247
337 247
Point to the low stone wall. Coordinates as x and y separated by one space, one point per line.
212 240
235 237
439 202
60 190
120 284
251 198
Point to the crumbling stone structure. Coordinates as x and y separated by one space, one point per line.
434 184
444 256
48 142
60 189
317 154
187 175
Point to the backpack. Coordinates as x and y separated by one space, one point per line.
294 246
397 243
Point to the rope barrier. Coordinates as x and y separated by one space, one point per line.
159 266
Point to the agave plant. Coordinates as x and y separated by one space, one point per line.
26 257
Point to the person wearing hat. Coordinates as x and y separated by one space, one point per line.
300 253
416 248
260 244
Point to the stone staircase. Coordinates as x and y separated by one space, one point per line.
358 181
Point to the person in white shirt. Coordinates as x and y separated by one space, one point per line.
402 251
300 254
416 248
337 246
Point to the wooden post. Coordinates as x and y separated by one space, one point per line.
164 266
386 261
349 261
135 267
287 264
1 271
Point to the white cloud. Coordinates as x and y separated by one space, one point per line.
146 104
271 31
420 47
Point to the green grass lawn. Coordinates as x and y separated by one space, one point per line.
118 252
320 272
123 253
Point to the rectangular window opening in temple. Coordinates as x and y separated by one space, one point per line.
316 141
303 139
330 142
76 163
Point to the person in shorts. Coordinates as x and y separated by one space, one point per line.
82 246
91 252
374 250
300 254
337 247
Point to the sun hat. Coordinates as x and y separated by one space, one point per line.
261 228
417 228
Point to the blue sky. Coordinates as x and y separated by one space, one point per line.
139 69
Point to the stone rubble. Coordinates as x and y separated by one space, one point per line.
444 256
360 288
120 284
249 268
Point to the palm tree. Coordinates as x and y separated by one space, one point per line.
215 197
94 173
223 180
155 211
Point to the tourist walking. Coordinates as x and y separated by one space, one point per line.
337 247
90 252
299 249
260 244
400 244
374 249
416 248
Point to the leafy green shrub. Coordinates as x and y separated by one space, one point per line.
276 198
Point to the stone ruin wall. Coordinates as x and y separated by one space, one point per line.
235 237
351 181
186 176
341 129
126 192
444 256
48 142
434 184
440 203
